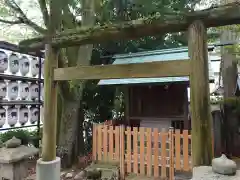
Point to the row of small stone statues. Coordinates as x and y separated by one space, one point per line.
22 65
14 90
21 115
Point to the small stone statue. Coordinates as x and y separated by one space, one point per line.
13 143
224 166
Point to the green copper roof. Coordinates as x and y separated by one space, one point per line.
151 56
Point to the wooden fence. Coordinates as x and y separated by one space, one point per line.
142 150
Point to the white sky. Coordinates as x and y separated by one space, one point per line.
16 33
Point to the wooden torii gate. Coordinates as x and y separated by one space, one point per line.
196 23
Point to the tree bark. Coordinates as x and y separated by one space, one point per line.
148 26
71 139
229 76
67 137
200 98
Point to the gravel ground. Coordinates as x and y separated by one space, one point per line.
206 173
74 171
66 174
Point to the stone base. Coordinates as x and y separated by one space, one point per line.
206 173
13 162
48 170
13 171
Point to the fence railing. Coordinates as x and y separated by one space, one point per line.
143 151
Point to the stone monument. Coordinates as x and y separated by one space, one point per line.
13 159
222 169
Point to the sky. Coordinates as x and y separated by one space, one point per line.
16 33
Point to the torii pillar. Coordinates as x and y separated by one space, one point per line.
202 153
48 166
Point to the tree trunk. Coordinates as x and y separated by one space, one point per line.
80 145
229 74
71 139
200 99
69 133
229 84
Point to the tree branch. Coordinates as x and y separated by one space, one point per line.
68 18
34 26
43 7
148 26
88 19
21 17
10 22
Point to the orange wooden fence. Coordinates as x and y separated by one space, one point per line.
142 150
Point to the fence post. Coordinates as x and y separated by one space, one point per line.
171 154
122 152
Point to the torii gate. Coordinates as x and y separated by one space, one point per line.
196 23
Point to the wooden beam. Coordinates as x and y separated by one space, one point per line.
200 98
119 71
148 26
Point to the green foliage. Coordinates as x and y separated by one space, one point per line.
234 30
234 104
27 137
34 137
98 101
20 134
216 100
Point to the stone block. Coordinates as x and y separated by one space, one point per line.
13 171
223 165
48 170
13 162
13 143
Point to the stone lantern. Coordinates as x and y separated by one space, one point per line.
23 115
34 91
3 89
42 91
34 67
3 61
2 116
42 114
13 63
24 65
14 157
12 116
24 90
12 90
42 68
34 113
